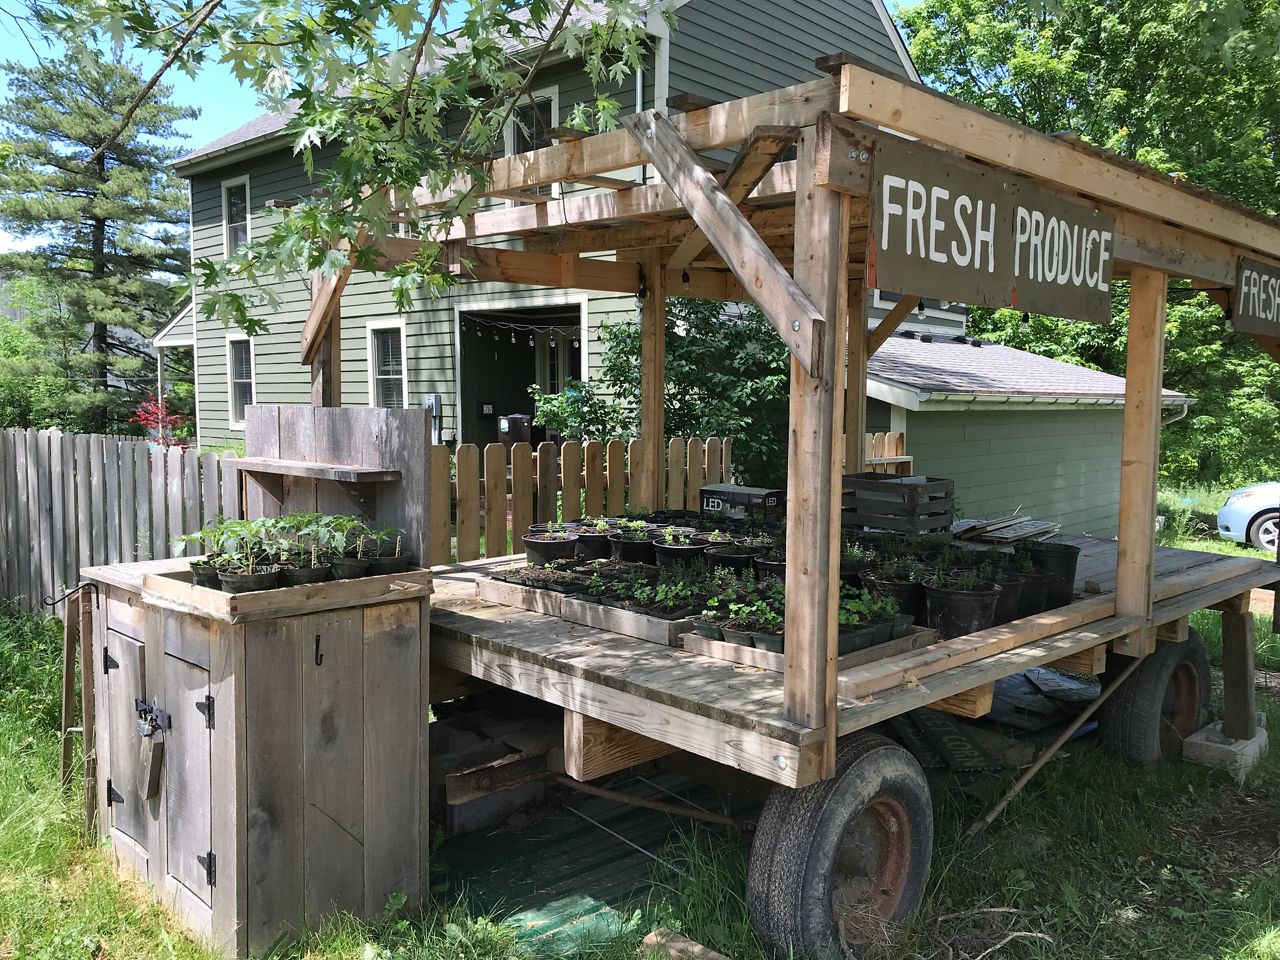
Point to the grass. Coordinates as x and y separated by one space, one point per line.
1093 861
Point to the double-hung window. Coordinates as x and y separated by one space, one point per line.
388 380
530 126
235 214
240 378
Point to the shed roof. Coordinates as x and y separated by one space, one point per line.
930 369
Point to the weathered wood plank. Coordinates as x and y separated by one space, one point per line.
495 500
111 496
676 449
393 660
160 546
696 467
1239 719
141 480
571 480
593 748
71 521
177 508
58 518
441 502
715 473
467 460
84 503
635 476
210 488
593 472
548 472
1090 662
616 477
232 496
128 503
646 462
972 703
522 492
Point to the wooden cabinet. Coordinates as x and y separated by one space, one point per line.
262 758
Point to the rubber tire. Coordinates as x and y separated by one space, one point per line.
1131 718
1257 522
788 881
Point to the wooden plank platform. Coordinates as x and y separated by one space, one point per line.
340 472
733 713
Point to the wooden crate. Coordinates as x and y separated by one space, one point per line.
293 778
915 505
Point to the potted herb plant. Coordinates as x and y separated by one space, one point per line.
676 547
738 556
903 581
244 562
204 572
388 554
1059 560
349 538
1033 592
545 547
631 542
961 602
593 538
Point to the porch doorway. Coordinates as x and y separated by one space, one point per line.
503 352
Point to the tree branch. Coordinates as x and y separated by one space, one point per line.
417 59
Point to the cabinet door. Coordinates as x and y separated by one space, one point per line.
126 681
187 777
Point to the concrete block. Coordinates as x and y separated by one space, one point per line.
1210 748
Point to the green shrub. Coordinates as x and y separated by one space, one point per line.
30 667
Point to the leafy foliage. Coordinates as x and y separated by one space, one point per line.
112 240
1187 87
30 668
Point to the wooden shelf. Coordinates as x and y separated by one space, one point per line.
340 472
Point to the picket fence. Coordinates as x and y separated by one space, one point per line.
77 500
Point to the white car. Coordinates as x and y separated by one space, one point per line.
1252 515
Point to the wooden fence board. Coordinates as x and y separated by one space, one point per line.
548 473
33 518
713 461
60 518
521 490
71 531
468 466
694 477
84 504
210 488
98 499
177 513
191 490
726 459
128 503
571 480
110 503
8 502
231 494
44 506
159 503
495 500
635 476
593 475
441 505
676 449
616 477
142 500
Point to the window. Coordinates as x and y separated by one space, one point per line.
240 375
235 215
388 385
530 126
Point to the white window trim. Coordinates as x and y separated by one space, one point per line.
551 93
240 337
370 328
248 213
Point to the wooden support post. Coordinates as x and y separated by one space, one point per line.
326 365
1140 455
815 457
855 389
1239 718
653 355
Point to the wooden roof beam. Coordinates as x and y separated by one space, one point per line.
762 150
792 313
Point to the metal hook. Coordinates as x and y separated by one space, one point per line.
84 585
319 655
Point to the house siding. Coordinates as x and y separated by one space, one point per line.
725 49
1059 465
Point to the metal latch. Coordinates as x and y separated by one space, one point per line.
205 706
210 864
150 717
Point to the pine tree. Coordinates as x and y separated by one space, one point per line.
112 234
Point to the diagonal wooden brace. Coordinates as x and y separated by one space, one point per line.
798 322
326 292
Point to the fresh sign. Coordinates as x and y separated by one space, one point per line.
1256 308
960 232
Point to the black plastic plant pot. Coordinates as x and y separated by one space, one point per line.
741 637
852 639
851 576
249 582
908 593
773 642
381 565
632 551
901 626
594 544
349 568
1010 599
1058 559
770 568
205 574
1033 598
543 549
569 526
684 613
733 556
297 576
708 629
955 613
677 554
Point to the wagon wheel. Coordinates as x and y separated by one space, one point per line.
834 863
1162 703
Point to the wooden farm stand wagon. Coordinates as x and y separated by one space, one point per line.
894 187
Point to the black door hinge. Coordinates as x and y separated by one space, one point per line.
108 661
205 706
113 795
210 864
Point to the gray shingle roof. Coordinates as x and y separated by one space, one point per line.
962 365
